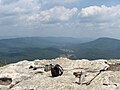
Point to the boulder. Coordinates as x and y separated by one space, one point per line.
24 78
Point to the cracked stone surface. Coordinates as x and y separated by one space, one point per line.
24 78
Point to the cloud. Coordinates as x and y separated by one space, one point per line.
12 11
4 2
101 16
56 14
8 7
30 11
101 10
33 12
65 1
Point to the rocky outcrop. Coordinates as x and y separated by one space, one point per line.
25 78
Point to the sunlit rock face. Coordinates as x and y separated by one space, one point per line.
26 78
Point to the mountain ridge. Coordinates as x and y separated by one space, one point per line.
47 48
106 48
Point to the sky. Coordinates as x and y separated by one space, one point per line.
60 18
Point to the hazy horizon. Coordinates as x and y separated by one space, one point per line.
10 37
56 18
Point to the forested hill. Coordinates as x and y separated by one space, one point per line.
41 42
105 48
15 49
30 48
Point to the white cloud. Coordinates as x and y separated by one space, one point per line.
101 10
22 12
8 7
13 11
101 16
65 1
30 10
7 1
54 14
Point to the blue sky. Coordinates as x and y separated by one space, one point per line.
68 18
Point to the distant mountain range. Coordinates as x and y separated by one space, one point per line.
41 42
16 49
102 48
